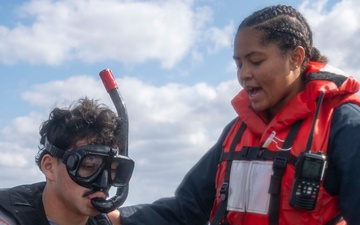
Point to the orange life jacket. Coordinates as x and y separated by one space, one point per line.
248 197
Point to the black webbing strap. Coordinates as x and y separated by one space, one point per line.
100 219
249 153
221 211
279 167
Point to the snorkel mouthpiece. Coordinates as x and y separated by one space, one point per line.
106 206
102 205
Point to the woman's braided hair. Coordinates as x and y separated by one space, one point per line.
286 27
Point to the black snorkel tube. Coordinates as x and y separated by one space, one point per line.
106 206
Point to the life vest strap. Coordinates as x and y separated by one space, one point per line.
256 153
221 212
279 167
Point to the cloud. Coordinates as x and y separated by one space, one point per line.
21 129
54 32
221 38
17 161
63 92
171 127
336 30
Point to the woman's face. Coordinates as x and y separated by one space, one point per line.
270 77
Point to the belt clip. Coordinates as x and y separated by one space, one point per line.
279 162
224 191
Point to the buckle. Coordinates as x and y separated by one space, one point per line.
279 162
253 153
224 191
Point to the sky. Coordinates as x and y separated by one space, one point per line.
172 60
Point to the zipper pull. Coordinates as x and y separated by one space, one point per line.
269 139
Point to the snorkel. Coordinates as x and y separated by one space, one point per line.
102 205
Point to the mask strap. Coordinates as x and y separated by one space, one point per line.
53 150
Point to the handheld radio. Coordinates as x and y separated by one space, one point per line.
309 171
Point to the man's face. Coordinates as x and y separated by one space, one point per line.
74 197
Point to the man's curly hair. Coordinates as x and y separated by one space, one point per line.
84 119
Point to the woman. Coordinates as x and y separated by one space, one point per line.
296 116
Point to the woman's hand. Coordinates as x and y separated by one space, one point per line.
114 217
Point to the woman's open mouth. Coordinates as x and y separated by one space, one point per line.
253 91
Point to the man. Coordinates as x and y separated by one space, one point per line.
79 157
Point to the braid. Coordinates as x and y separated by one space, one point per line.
285 26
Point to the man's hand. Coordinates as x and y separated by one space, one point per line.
114 216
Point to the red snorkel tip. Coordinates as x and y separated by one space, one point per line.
108 79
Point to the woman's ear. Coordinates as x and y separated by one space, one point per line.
48 166
297 57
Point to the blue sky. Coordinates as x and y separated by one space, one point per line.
172 61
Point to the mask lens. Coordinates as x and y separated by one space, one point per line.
90 165
121 171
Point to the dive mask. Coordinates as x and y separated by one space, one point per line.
96 167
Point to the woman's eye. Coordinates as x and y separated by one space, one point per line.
257 62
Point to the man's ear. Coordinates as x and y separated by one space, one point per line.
297 57
48 166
